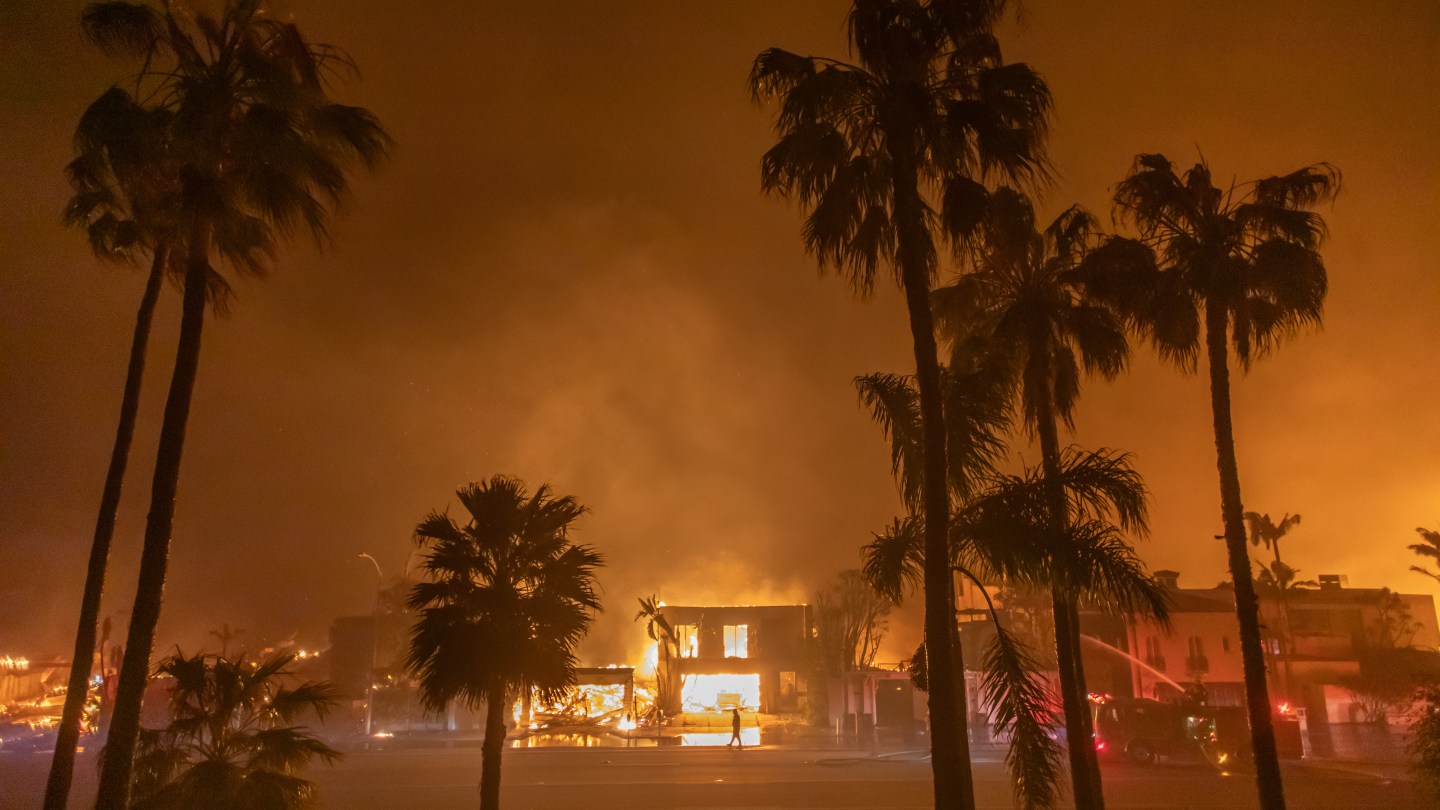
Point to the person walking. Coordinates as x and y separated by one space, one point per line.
735 729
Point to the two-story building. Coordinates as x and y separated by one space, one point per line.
749 657
1317 642
1202 646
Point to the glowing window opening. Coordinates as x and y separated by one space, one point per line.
737 641
687 640
721 693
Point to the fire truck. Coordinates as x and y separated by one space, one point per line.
1144 730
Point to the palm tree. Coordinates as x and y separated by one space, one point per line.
1004 534
232 742
258 149
122 198
1245 264
127 200
974 393
507 598
658 628
872 147
1012 688
1277 579
1265 531
1010 531
1026 299
1000 532
1429 548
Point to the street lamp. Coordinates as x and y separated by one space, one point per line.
374 645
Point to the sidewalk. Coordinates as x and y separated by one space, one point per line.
692 736
1375 769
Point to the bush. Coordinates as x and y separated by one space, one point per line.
1425 747
232 742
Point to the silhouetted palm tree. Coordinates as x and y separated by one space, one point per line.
1278 579
1428 547
232 742
1004 534
123 198
127 199
926 109
1244 263
1001 533
976 400
667 674
259 149
1264 531
1012 687
1026 300
507 598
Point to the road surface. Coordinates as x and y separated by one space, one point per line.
754 779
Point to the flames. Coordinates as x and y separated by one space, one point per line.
720 693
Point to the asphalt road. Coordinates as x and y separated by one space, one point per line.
753 779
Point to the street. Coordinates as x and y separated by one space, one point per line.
754 778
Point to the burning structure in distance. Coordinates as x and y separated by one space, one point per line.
749 657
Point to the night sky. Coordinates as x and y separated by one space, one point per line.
568 273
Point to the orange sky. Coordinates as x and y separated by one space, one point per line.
568 273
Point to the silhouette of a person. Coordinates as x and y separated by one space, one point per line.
734 729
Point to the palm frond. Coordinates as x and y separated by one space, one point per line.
286 749
776 70
977 412
225 744
969 118
316 697
894 403
1249 252
893 561
963 205
1105 571
1018 696
122 28
1302 188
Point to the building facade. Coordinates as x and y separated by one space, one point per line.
1325 645
747 657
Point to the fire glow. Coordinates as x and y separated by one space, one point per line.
720 693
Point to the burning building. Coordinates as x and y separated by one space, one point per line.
748 657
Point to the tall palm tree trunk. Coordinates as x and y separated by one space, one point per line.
949 744
492 748
62 765
118 762
1084 763
1247 605
959 671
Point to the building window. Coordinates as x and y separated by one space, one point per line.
788 690
737 641
1153 658
1196 664
687 640
1225 643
